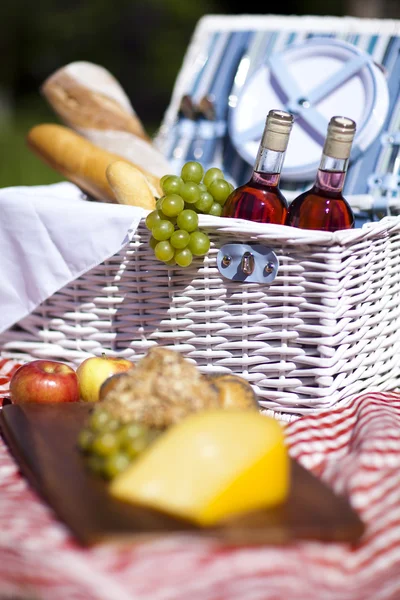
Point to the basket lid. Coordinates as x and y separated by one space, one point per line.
238 67
313 80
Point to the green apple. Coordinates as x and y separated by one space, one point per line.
95 370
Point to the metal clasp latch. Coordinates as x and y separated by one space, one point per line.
247 263
250 263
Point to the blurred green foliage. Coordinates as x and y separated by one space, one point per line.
18 165
141 42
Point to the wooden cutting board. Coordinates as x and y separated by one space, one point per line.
42 439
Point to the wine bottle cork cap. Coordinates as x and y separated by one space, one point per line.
278 126
339 139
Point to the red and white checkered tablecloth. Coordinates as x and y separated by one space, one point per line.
355 449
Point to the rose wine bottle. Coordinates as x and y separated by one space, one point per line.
323 206
260 199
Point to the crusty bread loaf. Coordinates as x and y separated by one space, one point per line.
80 161
89 100
85 95
129 185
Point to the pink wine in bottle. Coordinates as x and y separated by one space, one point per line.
324 207
260 199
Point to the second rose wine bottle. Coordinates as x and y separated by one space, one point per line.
323 207
260 199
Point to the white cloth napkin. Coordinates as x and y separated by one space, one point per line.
49 236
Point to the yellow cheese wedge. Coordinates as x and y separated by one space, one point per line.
211 465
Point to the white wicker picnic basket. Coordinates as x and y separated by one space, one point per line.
321 323
327 327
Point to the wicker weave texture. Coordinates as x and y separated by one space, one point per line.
328 326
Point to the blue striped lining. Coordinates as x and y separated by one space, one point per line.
209 141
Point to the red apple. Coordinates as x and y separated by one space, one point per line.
44 381
94 371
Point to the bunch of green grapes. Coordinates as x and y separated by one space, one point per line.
108 446
174 224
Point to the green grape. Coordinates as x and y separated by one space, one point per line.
232 187
152 218
170 219
199 243
180 239
170 263
111 425
183 257
219 190
163 217
129 432
204 204
172 205
164 177
163 230
85 439
203 187
164 251
95 464
159 202
192 171
211 174
131 451
190 192
187 220
153 242
215 210
105 444
138 444
98 420
115 464
172 184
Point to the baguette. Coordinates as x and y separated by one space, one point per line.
85 95
80 161
89 100
129 184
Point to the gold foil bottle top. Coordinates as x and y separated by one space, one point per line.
339 139
277 130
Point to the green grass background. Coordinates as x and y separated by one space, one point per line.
18 164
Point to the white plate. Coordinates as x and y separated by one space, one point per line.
314 80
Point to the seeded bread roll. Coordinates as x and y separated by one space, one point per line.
160 390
